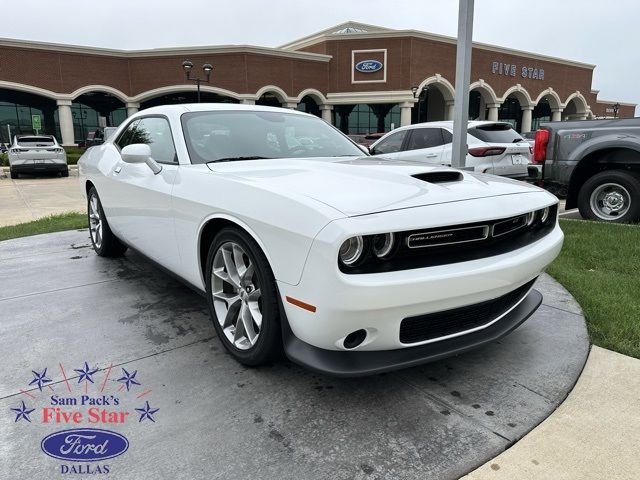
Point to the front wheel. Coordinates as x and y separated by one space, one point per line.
105 243
611 196
242 297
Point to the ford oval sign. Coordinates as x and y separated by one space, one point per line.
368 66
84 445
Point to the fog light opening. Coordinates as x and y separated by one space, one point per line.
354 339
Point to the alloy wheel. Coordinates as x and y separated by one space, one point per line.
236 295
95 221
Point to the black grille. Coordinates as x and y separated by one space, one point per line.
448 322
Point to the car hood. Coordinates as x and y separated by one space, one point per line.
360 186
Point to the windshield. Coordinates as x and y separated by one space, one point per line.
253 134
496 133
36 142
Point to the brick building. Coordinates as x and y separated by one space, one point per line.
362 78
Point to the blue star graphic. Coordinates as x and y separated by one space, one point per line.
128 378
23 412
147 412
39 379
85 374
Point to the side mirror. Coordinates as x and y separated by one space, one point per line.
140 153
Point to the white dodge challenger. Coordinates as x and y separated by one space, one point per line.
352 264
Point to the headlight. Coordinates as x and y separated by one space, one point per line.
531 216
544 215
383 244
351 250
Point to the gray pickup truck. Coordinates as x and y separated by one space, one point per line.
595 163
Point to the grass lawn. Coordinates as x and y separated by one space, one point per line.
600 266
54 223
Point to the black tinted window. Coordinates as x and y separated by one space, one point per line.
425 138
391 144
447 136
495 133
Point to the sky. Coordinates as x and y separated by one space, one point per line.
590 31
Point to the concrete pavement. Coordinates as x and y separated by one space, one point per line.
594 434
31 197
61 305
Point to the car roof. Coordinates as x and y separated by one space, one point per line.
449 124
213 107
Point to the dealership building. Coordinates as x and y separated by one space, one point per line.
362 78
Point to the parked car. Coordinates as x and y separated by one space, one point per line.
352 265
37 154
494 147
595 163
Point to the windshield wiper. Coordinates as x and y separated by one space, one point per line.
237 159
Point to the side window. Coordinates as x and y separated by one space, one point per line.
156 132
125 136
391 144
447 136
425 138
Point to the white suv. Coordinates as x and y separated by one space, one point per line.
36 154
494 147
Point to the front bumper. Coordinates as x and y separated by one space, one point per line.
360 363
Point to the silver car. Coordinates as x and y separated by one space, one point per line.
37 154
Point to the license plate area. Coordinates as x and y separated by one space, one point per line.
518 159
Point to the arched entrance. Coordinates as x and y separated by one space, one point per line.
93 110
309 105
435 101
516 109
16 110
176 98
269 99
481 98
546 109
575 108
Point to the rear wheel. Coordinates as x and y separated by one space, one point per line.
242 297
65 173
13 173
105 243
611 196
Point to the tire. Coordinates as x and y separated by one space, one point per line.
65 173
249 291
14 174
104 242
611 196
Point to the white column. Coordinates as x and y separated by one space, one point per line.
527 117
556 114
493 112
66 122
132 108
292 106
247 101
582 116
325 110
405 113
449 108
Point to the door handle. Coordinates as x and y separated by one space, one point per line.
431 155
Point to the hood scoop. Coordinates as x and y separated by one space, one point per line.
440 176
